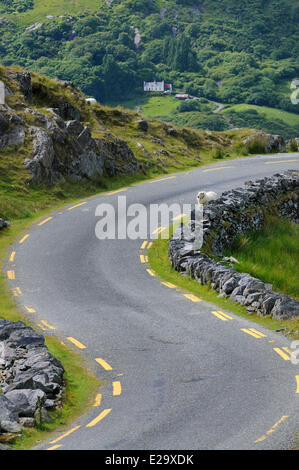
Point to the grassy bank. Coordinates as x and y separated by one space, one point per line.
271 254
159 261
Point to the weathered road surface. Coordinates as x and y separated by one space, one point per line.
189 380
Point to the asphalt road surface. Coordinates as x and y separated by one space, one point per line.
177 376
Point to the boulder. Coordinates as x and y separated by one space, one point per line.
142 125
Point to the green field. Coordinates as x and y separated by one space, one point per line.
290 119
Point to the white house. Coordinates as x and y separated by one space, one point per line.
157 86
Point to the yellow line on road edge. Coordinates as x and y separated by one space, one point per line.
297 381
98 418
192 297
11 275
76 342
110 193
29 309
168 284
218 315
162 179
142 258
282 354
65 435
17 292
98 400
12 257
281 161
219 168
51 327
143 245
151 272
254 333
77 205
55 447
45 221
103 363
281 420
116 388
24 238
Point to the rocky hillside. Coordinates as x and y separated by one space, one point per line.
51 139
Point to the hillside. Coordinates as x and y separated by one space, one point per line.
54 146
227 51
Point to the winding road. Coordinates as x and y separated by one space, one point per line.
178 376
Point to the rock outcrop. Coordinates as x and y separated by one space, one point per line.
234 213
31 379
272 143
4 224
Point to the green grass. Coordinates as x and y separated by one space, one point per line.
42 8
271 254
159 261
290 119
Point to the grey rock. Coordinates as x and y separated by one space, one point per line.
142 125
26 401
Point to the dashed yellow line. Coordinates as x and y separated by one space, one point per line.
110 193
47 325
11 275
98 418
12 257
179 217
77 205
55 447
221 315
158 230
76 342
151 272
273 429
162 179
218 168
103 363
168 284
143 245
65 434
254 333
24 238
17 292
282 354
150 245
297 382
45 221
192 297
29 309
281 161
142 259
116 388
42 327
98 400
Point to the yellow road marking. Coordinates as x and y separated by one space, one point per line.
29 309
99 418
103 363
288 350
192 297
24 238
282 354
151 272
76 342
272 341
297 381
120 375
281 420
55 447
219 168
253 332
12 257
179 217
116 388
11 275
42 327
281 161
110 193
146 259
168 284
48 325
17 291
98 400
262 335
150 245
45 221
142 258
158 230
162 179
222 316
143 245
77 205
65 435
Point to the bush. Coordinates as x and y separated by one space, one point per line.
256 145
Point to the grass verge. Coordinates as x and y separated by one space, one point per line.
159 261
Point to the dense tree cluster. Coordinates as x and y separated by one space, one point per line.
219 49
